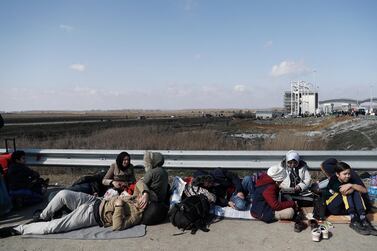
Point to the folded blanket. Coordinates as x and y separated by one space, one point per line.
94 233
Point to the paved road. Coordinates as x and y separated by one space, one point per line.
224 235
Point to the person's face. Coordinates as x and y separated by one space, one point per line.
22 160
126 161
344 176
292 163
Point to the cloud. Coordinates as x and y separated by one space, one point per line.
268 44
289 68
66 28
239 88
77 67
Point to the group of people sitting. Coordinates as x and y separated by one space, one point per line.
116 198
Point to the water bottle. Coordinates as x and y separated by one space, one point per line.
372 190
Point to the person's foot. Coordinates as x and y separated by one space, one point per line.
8 232
366 223
299 226
358 227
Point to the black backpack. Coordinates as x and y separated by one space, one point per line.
191 214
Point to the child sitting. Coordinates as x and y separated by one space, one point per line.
343 196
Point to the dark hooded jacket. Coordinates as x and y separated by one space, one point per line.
265 199
156 178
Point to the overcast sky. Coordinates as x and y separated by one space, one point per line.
178 54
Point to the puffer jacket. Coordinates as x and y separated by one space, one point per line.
265 199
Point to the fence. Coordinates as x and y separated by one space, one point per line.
253 160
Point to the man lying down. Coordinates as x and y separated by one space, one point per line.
120 212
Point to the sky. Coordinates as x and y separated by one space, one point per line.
182 54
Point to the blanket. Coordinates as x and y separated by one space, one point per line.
94 233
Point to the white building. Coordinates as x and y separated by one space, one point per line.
302 99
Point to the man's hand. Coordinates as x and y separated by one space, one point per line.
143 200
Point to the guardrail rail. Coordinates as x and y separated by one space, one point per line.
254 160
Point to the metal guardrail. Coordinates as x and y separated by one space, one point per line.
254 160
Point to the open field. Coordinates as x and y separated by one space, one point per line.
114 130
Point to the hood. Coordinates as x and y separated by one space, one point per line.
153 160
328 166
264 179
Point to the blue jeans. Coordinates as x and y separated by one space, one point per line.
248 185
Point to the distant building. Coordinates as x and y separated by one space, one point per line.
267 114
302 99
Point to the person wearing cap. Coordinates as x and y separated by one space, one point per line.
266 206
298 177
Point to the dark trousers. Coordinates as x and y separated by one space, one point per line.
339 204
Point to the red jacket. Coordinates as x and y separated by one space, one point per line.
265 201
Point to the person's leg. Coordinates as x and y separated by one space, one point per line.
285 214
239 203
248 185
67 198
335 205
82 216
358 202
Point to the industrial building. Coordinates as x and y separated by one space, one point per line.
302 99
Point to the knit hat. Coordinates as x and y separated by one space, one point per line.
277 173
292 155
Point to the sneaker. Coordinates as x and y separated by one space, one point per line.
316 234
324 231
366 223
8 232
358 227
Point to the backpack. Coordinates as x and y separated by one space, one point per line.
191 214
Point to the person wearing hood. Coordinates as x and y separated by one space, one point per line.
298 177
266 206
156 186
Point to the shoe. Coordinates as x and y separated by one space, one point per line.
358 227
366 223
299 226
316 234
324 231
8 232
